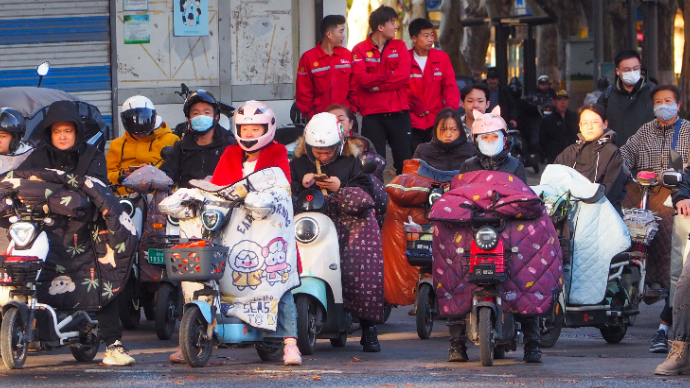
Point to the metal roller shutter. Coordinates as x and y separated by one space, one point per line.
73 35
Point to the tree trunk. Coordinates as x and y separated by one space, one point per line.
476 40
684 84
358 20
416 10
665 51
451 34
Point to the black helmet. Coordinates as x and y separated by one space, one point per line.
200 96
602 83
138 116
515 87
12 121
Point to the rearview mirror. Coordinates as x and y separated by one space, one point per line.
43 68
369 165
676 160
671 178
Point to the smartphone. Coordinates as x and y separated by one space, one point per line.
133 168
320 177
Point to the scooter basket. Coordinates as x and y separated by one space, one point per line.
419 239
19 272
196 264
642 224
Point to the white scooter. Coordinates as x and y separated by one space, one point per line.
24 319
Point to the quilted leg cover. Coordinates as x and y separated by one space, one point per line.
659 262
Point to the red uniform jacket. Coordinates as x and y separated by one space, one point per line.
323 80
389 70
431 90
229 168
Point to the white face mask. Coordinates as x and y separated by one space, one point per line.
630 78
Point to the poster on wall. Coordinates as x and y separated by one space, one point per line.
136 29
191 17
135 5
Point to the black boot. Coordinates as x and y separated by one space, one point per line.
457 352
530 328
370 340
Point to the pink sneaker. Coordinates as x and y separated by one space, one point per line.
291 355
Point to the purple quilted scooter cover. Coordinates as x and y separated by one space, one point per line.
532 248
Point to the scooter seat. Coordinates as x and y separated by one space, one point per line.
620 258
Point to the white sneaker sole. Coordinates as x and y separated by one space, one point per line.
111 362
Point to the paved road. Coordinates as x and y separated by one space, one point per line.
581 358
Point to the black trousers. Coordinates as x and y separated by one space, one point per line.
394 128
667 313
419 136
109 326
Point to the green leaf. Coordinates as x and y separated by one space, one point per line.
59 268
120 247
66 200
48 193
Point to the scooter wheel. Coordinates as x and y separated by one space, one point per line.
195 345
613 334
426 300
165 317
551 329
387 309
86 352
269 350
486 347
306 324
12 346
341 341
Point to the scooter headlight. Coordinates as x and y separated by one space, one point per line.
486 238
173 221
306 230
128 206
434 196
22 233
211 219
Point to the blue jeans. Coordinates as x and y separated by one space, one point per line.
287 319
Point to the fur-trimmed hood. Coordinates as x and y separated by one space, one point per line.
354 146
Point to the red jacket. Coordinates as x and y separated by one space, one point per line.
431 90
323 80
389 70
229 168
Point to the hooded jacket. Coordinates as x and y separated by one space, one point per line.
558 132
347 167
229 169
599 161
445 156
188 160
128 151
81 159
628 111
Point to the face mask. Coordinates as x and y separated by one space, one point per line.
491 148
665 112
202 123
631 77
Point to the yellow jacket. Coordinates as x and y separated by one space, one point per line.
127 151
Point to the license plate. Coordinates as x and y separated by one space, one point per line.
484 269
156 256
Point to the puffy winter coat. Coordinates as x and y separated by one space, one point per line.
409 194
128 151
628 111
188 160
431 89
502 162
445 156
599 161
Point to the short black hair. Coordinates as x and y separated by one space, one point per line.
381 16
190 16
672 88
492 74
479 86
418 25
596 108
330 22
626 54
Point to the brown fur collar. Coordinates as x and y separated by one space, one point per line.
354 146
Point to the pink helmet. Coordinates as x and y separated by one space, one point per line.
255 112
488 122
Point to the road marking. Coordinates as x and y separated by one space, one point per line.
120 371
297 371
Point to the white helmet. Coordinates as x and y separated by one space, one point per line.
139 116
323 131
255 112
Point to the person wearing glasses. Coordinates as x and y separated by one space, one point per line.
628 102
595 154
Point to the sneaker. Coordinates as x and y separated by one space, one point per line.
532 353
457 352
370 340
177 357
291 354
117 355
659 342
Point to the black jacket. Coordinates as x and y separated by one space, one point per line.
188 160
627 111
505 101
502 162
81 159
347 168
557 132
599 161
528 123
445 156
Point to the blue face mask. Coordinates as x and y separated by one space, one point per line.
491 148
666 112
202 123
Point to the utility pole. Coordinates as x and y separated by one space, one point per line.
651 38
598 34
